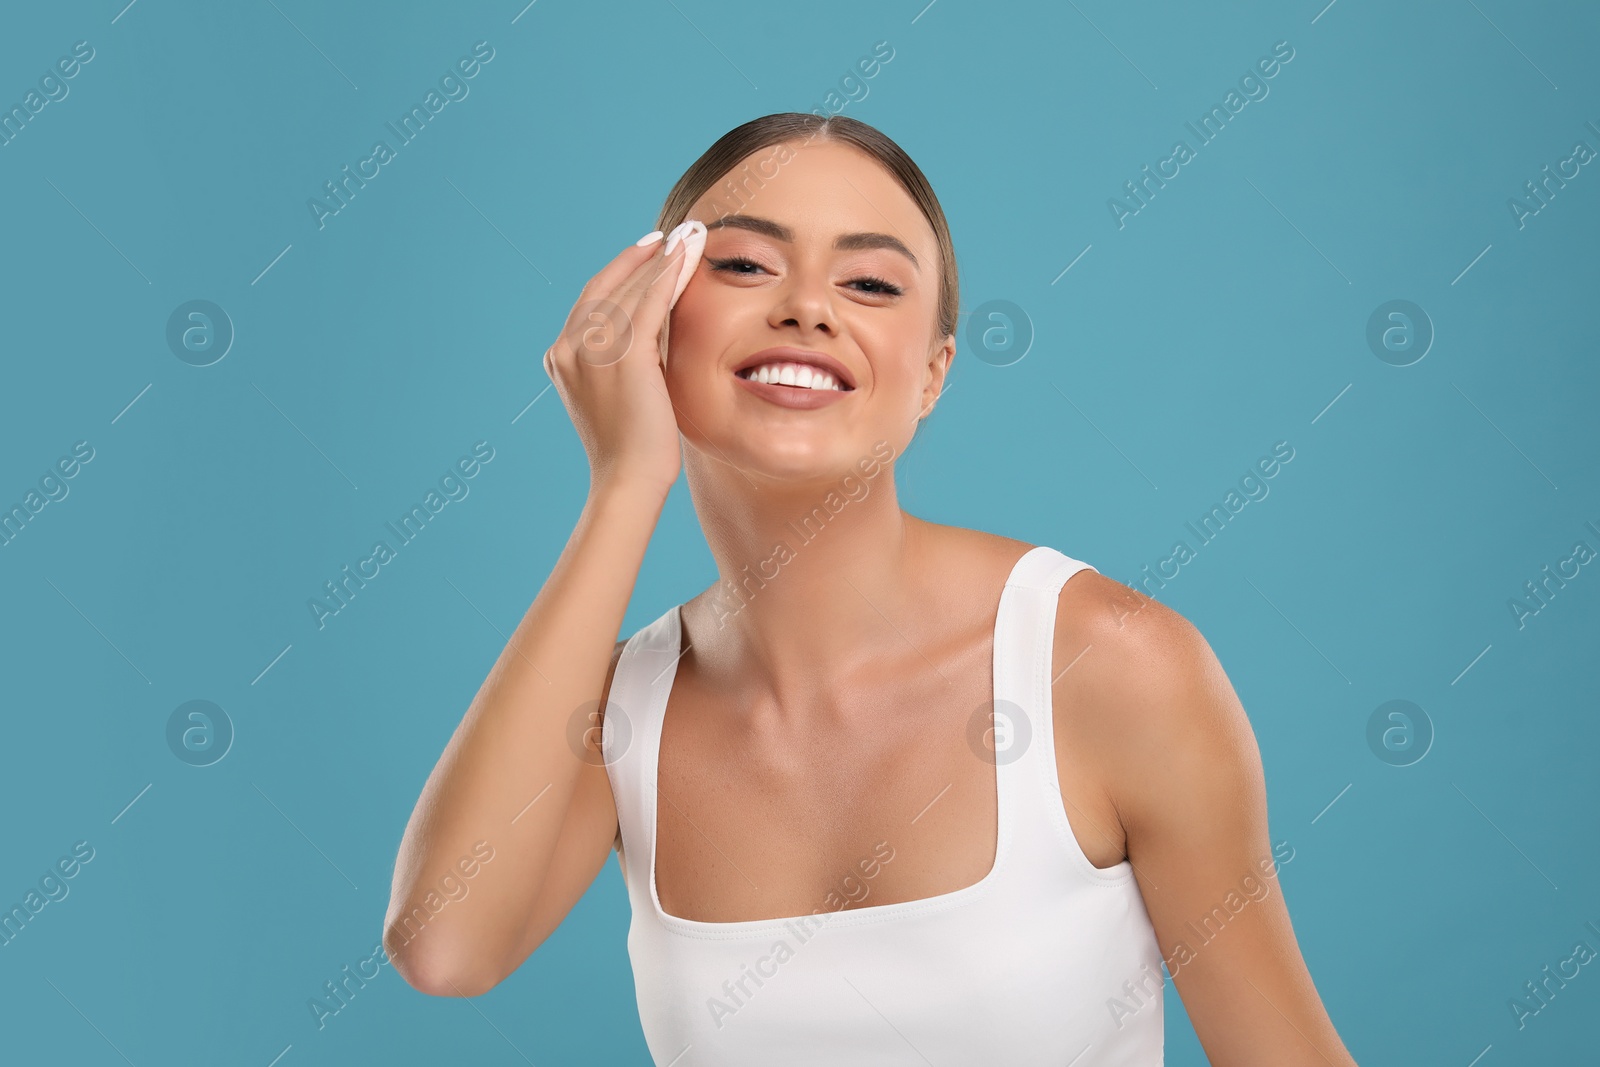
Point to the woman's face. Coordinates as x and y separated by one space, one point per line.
820 251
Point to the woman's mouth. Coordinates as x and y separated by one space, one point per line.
793 375
798 386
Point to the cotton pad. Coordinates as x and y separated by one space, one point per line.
694 243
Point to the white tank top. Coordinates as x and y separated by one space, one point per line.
1046 960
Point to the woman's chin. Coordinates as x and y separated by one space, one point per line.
783 464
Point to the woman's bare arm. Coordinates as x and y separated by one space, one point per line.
514 821
510 784
1185 777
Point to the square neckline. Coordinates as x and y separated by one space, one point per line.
1005 798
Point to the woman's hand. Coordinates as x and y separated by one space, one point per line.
607 362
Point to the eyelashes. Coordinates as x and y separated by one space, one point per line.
884 286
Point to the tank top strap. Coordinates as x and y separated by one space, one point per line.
1024 708
629 737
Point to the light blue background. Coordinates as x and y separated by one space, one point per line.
1229 314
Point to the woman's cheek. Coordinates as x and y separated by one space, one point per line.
689 326
700 314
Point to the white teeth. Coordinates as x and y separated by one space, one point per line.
799 375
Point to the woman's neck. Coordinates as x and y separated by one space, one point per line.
814 582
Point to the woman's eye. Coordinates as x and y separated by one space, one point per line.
870 284
732 266
882 287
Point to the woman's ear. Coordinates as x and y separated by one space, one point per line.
939 361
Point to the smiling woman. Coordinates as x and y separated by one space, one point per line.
1057 815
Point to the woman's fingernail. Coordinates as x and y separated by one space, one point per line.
649 238
677 235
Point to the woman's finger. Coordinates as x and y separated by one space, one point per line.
600 323
657 301
652 294
612 275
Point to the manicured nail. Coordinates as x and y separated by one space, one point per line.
678 233
649 238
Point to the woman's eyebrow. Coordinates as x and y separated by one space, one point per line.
847 242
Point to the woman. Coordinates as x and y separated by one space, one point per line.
841 868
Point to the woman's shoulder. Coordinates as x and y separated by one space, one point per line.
969 550
1139 691
1087 598
1126 666
1122 641
1089 602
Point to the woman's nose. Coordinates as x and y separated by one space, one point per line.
805 299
